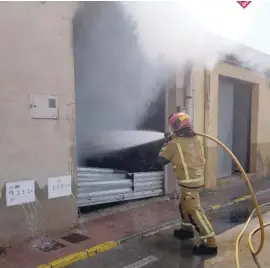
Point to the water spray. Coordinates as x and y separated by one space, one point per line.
118 140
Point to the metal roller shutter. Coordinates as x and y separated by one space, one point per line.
100 186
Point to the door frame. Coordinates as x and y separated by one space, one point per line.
229 119
211 116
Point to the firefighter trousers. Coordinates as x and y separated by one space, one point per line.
193 215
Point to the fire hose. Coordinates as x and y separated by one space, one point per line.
257 210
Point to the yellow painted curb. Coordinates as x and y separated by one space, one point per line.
101 248
215 207
246 197
69 259
234 201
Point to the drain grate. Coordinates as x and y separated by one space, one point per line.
3 251
75 238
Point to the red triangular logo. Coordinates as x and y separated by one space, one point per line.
243 4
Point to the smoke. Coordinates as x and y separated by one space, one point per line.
124 53
201 32
114 82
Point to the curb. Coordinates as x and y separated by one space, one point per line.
106 246
234 201
81 255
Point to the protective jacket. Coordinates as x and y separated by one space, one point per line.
187 158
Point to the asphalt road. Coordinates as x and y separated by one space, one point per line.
158 251
163 250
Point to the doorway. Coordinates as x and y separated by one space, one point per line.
234 124
114 86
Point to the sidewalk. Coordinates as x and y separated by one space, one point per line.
117 226
226 242
99 230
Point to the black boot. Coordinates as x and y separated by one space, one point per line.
203 249
183 234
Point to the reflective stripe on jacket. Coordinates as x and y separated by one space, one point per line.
187 158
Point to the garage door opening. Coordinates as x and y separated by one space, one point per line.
129 174
116 88
234 124
142 158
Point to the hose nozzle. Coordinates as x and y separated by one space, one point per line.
168 136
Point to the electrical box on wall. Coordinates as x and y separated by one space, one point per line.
43 106
59 187
20 192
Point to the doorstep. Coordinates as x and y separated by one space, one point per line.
115 227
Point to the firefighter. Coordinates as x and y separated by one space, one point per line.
184 150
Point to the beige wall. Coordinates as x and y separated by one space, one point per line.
206 116
36 57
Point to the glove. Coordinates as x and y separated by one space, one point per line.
167 136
